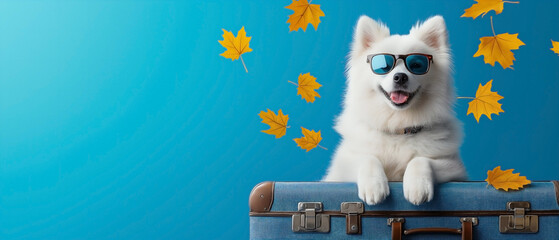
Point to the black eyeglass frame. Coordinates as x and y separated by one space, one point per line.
400 56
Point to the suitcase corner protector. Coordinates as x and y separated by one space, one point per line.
261 197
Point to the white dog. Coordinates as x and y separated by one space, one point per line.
397 123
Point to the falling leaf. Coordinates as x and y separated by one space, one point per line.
498 48
304 14
278 123
306 86
310 140
485 102
506 180
555 47
236 46
482 7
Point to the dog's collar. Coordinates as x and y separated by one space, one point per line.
406 131
416 129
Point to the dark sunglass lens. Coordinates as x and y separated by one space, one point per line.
382 64
417 64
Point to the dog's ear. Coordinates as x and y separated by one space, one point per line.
432 32
367 32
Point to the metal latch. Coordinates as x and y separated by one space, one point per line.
310 219
353 212
519 222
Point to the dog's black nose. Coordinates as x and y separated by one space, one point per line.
400 78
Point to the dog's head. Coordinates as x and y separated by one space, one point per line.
403 69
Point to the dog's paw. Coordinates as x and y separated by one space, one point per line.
418 190
373 190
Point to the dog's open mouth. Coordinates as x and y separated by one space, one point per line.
399 98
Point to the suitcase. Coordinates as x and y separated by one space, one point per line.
466 210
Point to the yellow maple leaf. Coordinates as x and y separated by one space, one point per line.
485 102
310 140
498 48
306 86
555 47
483 7
277 123
304 14
506 180
236 46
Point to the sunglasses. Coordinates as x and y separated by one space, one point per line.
416 63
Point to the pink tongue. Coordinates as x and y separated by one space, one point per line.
399 97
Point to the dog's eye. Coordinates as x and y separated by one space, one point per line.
417 64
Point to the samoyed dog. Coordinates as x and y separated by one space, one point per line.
397 122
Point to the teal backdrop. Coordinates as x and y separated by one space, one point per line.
120 120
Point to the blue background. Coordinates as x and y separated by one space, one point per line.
119 119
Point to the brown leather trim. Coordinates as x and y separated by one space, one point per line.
261 197
556 184
413 213
397 231
467 230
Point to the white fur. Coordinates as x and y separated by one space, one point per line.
368 154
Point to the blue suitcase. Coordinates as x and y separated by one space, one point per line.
470 210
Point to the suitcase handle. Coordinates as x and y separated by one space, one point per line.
433 230
466 231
